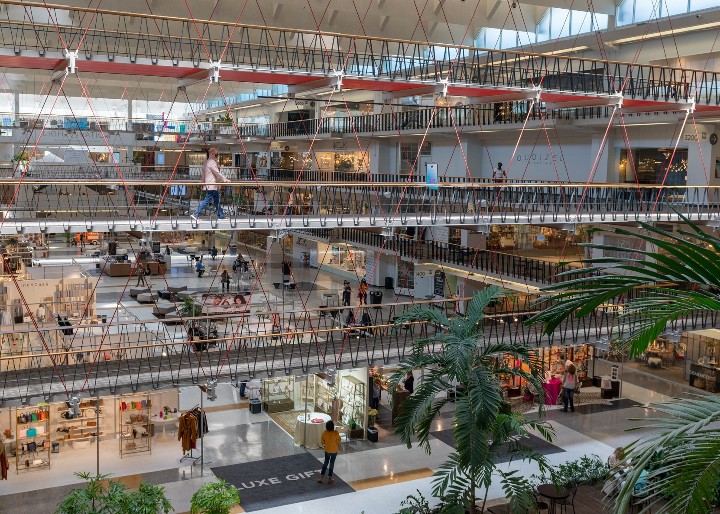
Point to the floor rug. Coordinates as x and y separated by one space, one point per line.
533 442
287 420
608 406
269 483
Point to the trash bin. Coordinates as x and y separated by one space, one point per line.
255 406
372 434
615 388
376 297
233 249
597 381
389 283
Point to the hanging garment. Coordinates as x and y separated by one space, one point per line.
4 465
187 431
201 421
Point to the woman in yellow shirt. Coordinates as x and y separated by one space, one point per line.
330 440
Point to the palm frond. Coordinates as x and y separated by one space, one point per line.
519 491
679 258
682 456
419 410
421 313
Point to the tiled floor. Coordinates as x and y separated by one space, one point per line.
379 476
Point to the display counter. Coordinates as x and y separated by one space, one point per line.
117 269
705 377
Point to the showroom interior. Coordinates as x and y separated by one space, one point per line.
421 150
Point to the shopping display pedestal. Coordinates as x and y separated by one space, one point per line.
255 406
372 434
615 388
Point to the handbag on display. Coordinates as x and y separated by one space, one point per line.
42 415
40 429
31 432
32 446
123 406
34 416
22 418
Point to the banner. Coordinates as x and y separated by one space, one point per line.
431 175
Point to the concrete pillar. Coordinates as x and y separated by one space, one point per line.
701 164
602 163
16 111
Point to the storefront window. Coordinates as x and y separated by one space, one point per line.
654 166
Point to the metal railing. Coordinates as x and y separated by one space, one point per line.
486 261
121 36
124 356
261 204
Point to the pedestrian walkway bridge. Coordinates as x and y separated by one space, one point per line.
106 205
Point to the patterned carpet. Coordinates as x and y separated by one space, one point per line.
583 398
287 420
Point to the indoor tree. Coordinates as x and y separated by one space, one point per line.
669 276
483 428
100 495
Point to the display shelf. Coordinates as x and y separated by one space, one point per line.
134 424
85 427
277 394
352 392
32 452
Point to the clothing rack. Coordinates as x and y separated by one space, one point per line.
189 456
199 413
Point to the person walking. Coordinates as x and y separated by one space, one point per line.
167 250
499 172
569 385
213 253
330 440
346 294
362 292
211 176
225 280
140 272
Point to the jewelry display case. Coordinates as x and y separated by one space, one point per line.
277 394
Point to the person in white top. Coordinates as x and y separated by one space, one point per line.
211 176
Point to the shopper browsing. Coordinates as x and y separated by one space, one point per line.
362 292
569 384
211 176
346 294
330 440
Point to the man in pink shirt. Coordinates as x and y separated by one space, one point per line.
211 176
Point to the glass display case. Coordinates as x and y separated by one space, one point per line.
277 394
134 423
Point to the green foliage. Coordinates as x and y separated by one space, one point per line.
656 279
189 308
99 496
415 504
214 498
681 453
481 428
586 470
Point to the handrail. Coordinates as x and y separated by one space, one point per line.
220 23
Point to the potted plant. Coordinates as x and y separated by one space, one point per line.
372 414
214 498
101 495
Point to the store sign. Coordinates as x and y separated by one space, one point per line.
439 284
340 145
431 175
75 123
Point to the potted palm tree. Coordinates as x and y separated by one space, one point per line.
676 275
216 497
482 425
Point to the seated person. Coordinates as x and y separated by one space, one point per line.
617 457
199 268
641 485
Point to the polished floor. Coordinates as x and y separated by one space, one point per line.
275 476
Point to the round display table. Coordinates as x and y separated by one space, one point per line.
309 429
